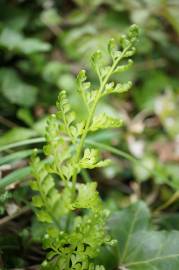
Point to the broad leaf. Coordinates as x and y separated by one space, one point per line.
140 247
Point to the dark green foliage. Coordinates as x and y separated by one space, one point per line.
140 246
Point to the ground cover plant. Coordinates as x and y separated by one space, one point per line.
101 189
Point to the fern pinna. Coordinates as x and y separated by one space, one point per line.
74 211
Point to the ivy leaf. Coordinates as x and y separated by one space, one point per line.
140 247
104 121
135 218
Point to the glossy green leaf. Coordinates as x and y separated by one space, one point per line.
139 246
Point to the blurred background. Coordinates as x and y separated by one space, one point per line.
43 45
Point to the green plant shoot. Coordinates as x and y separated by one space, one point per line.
73 211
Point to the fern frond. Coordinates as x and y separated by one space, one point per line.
83 86
49 202
65 114
74 210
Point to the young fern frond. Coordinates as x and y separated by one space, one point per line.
74 239
83 86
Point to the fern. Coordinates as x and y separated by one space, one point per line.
74 211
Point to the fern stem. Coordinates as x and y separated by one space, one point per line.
90 117
81 144
86 176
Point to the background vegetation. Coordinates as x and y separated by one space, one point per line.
43 45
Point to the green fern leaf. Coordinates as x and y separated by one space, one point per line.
75 213
83 85
119 88
87 196
104 121
64 114
91 160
